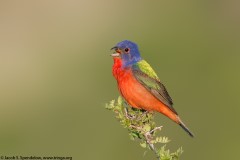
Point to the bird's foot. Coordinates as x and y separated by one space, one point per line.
128 116
144 114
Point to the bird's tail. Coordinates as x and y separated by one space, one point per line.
185 128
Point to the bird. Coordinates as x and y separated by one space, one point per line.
138 83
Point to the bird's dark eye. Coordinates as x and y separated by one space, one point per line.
126 50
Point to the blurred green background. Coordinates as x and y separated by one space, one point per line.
56 75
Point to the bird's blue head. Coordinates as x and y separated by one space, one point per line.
128 52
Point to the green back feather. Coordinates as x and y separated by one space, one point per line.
146 68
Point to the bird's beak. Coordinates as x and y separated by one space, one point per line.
117 53
115 47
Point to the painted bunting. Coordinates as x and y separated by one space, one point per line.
139 85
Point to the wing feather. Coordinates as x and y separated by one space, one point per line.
148 78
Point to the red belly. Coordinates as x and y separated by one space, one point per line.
139 97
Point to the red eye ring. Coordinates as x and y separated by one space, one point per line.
127 50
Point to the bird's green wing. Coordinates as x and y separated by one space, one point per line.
144 73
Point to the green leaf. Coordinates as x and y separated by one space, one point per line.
162 139
147 127
120 101
143 144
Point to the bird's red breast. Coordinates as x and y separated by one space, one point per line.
136 94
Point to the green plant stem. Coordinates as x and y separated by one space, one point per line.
141 127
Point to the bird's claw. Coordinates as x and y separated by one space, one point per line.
128 116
